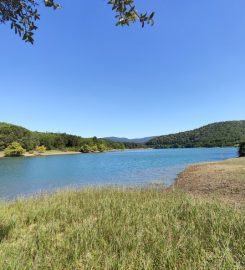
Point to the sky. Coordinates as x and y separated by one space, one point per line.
85 76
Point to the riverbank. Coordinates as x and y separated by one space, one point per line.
223 180
47 153
59 152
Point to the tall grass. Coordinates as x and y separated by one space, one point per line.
120 229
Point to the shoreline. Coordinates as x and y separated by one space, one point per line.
47 153
224 180
59 152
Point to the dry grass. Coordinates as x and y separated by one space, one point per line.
224 180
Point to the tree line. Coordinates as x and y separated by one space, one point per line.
60 141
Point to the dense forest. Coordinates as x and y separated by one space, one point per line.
230 133
30 140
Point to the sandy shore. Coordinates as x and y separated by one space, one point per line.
47 153
224 180
57 152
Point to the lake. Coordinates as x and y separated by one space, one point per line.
29 176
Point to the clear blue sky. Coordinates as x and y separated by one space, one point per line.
85 76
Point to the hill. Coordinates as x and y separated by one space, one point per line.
137 140
29 140
229 133
10 133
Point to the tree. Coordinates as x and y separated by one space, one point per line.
14 150
85 149
41 149
94 148
242 150
101 147
127 13
12 133
23 14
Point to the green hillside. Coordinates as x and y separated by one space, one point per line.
10 133
229 133
29 140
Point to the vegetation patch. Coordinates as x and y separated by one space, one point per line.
41 149
242 150
221 180
121 229
14 150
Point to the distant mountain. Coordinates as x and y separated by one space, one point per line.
137 140
229 133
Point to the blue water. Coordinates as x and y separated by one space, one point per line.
29 176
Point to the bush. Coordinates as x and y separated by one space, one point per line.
94 148
85 149
41 149
242 150
101 148
14 150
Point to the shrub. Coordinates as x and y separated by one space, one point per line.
14 150
41 149
101 148
242 150
94 148
85 149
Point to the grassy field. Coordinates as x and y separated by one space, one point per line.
127 229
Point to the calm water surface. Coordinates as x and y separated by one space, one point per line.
29 176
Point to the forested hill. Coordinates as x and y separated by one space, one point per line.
229 133
30 140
